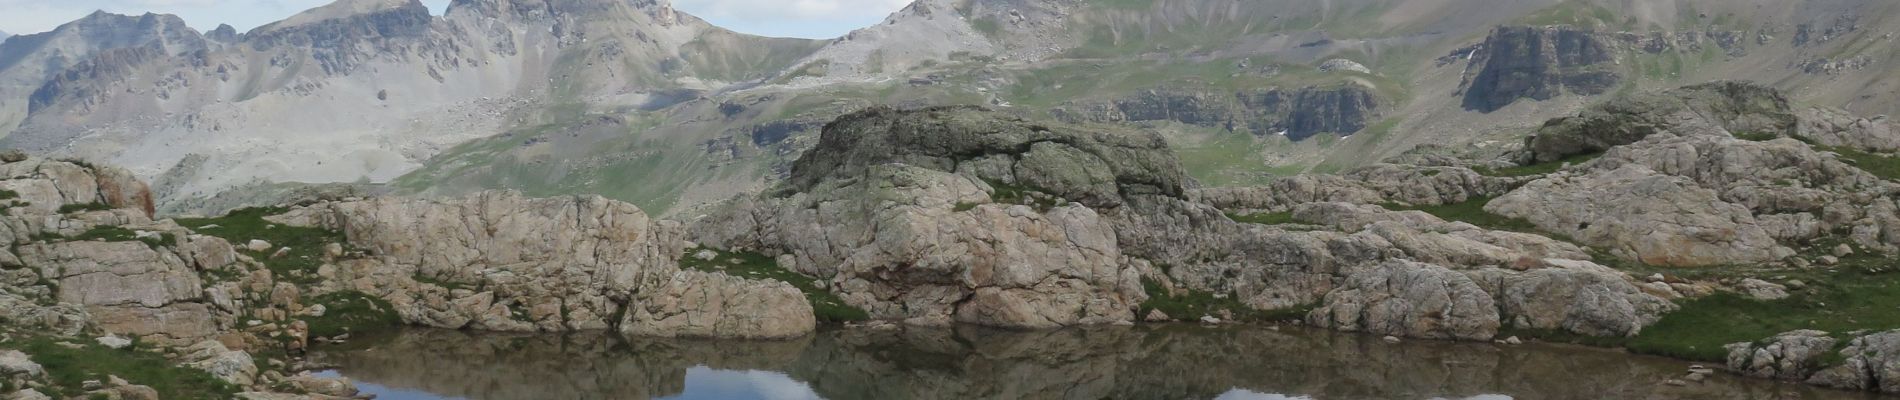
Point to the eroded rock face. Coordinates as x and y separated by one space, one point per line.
502 261
895 243
1872 363
1788 356
1375 184
1062 160
47 185
1410 299
928 242
1643 215
1869 362
705 304
1830 127
147 285
1539 63
1719 108
1571 295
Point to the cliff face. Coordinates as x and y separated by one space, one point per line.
1539 63
1297 114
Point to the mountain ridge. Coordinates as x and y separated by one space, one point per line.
641 102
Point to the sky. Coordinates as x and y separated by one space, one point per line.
816 19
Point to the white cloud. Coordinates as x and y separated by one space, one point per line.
801 18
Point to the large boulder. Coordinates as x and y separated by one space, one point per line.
907 242
1574 296
47 185
1094 165
1643 215
232 366
1790 356
569 254
1718 108
1870 363
1830 127
1410 299
128 287
708 304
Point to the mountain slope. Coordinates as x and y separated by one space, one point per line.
28 61
367 89
646 104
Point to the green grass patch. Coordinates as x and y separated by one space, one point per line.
1538 168
351 312
67 368
1472 212
242 225
8 194
1273 218
83 207
1190 305
1883 166
824 304
1006 193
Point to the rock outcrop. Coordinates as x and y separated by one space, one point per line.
1718 108
1374 184
1866 362
1643 215
502 261
1696 177
1409 299
1538 63
130 276
969 228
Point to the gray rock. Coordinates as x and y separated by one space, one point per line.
941 138
235 367
706 304
1762 290
1410 299
1717 108
1872 364
113 342
1539 63
1789 356
1644 215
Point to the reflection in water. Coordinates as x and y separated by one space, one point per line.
1165 362
719 384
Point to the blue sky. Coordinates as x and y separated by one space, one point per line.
818 19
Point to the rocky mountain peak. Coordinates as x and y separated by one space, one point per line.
224 33
350 10
45 53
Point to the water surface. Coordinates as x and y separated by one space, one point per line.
1148 362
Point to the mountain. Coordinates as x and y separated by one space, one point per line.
638 102
29 61
367 89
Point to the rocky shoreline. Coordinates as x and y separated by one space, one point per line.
1624 226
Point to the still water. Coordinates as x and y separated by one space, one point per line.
1166 362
